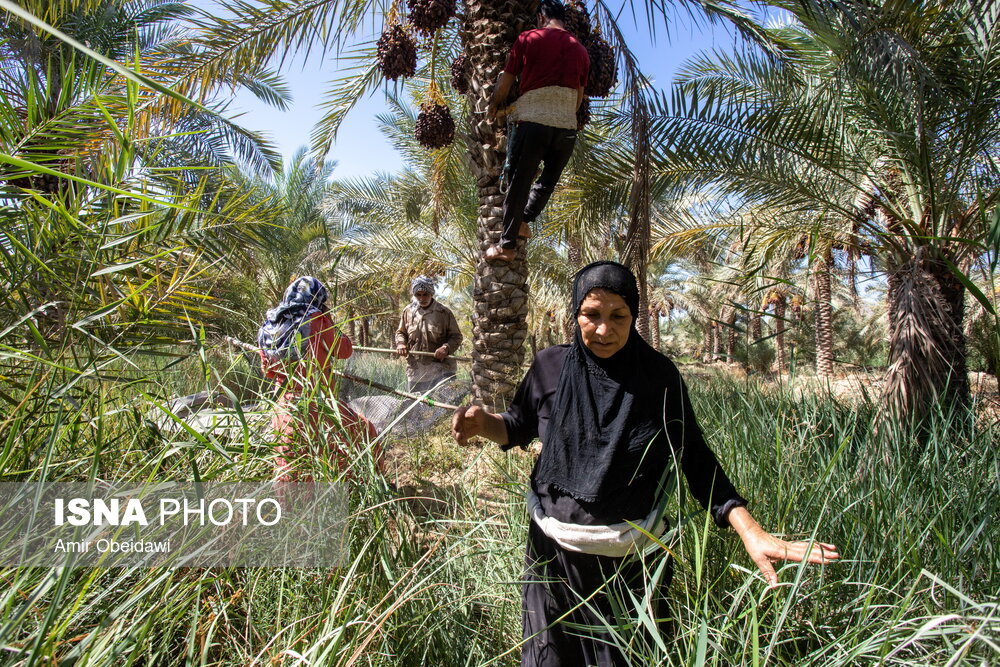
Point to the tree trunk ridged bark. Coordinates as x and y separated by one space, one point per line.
755 327
852 282
351 324
500 292
654 328
637 237
824 316
390 321
927 348
574 253
753 335
731 337
365 335
568 330
716 341
779 315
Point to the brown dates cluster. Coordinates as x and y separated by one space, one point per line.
435 126
397 53
459 75
603 63
428 16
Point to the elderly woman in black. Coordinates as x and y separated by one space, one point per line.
612 414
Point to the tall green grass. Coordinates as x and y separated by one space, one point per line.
914 515
432 577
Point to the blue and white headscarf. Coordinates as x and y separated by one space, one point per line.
303 298
422 284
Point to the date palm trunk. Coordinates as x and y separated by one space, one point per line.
852 282
637 236
390 320
824 316
574 253
716 341
731 337
780 305
365 336
500 291
568 329
654 327
927 346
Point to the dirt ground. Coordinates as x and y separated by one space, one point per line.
844 386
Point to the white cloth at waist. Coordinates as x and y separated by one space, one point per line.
554 106
617 540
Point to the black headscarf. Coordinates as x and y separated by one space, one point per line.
607 414
304 297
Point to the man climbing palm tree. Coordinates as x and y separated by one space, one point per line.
553 68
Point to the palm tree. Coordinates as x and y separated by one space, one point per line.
895 102
109 218
55 97
385 229
114 261
779 239
822 270
778 298
294 239
485 33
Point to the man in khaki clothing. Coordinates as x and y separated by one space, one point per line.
427 326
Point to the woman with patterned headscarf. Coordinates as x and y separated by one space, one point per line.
614 418
299 344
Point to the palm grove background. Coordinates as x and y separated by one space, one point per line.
813 216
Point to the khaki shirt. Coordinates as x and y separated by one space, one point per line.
427 329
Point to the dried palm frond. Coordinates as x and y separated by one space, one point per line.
923 341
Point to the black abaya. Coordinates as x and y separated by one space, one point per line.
611 428
557 629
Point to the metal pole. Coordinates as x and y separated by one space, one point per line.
355 378
384 350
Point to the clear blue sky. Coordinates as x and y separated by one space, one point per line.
361 150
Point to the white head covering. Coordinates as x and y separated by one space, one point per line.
422 284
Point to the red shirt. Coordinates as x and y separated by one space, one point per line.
548 57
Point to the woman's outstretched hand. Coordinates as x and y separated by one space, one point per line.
468 422
765 549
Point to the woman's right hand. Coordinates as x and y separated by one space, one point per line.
468 422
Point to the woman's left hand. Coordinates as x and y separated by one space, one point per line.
765 549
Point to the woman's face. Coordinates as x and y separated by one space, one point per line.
605 322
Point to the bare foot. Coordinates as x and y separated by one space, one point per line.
496 253
524 231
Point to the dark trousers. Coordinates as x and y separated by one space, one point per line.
571 603
531 145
